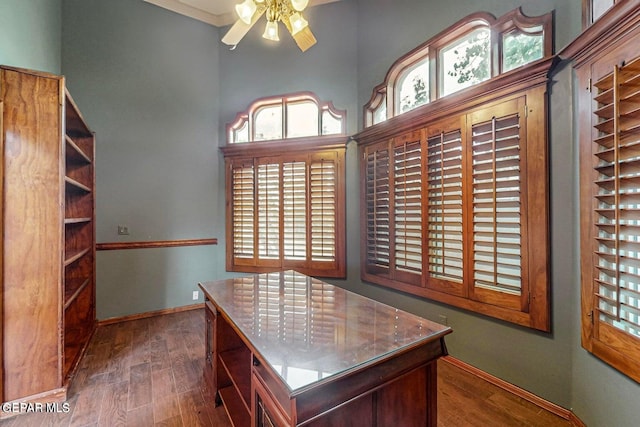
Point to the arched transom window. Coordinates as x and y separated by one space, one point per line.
297 115
476 49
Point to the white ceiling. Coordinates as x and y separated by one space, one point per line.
215 12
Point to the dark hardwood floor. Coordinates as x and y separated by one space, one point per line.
148 372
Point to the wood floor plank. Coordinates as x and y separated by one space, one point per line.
194 409
187 372
175 341
159 355
170 422
87 407
162 383
113 411
140 386
165 408
142 416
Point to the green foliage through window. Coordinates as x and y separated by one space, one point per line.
414 87
520 49
466 61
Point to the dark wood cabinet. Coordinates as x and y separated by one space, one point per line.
284 349
48 235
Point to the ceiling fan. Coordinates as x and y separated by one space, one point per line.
289 12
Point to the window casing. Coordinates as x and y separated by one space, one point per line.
286 198
476 49
477 165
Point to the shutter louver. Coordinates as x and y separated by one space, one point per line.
294 203
243 210
323 299
244 295
617 197
323 191
444 193
269 211
377 196
268 289
407 217
497 263
296 325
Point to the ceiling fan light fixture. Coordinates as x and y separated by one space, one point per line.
245 10
298 23
299 5
271 31
285 11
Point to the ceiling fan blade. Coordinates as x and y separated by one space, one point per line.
305 39
240 29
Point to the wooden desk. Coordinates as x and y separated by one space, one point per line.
284 349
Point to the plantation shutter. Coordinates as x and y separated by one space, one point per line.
243 209
268 188
616 197
444 180
286 213
497 205
323 189
294 210
407 207
378 209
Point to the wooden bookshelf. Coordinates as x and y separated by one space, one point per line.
48 225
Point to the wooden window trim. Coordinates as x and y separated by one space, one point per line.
514 20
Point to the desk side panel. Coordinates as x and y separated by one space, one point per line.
324 398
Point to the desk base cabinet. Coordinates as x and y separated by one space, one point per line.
392 390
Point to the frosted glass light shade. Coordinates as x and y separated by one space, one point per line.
299 5
297 23
271 31
245 10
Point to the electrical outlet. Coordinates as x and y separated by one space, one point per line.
196 295
442 319
123 230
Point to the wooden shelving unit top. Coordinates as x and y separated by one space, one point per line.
76 125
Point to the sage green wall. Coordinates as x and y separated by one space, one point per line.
147 82
30 34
